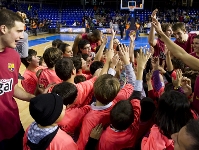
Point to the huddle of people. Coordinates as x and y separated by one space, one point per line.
89 96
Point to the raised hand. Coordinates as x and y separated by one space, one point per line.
178 80
156 25
149 76
142 58
155 63
154 13
104 39
114 61
124 54
113 33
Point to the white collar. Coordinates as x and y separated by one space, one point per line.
94 107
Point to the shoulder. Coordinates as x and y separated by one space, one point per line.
67 141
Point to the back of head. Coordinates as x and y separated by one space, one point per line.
173 112
178 64
147 109
45 109
85 56
79 78
168 87
31 52
122 115
179 25
77 62
51 56
106 88
193 131
67 91
96 65
9 17
64 68
56 42
97 34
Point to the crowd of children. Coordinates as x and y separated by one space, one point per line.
89 97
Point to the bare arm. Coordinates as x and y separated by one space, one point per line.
112 38
169 62
101 49
176 50
75 44
21 94
151 38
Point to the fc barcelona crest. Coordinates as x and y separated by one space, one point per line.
11 67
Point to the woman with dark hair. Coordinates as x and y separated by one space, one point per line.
173 112
66 49
188 137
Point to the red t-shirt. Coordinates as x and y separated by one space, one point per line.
159 50
156 141
61 141
73 119
93 44
117 140
187 45
30 80
84 92
48 76
9 113
95 117
195 103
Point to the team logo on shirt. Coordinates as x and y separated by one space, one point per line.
5 85
11 67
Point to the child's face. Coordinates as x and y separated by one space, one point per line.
86 49
35 61
68 52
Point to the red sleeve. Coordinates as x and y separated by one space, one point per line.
157 49
137 111
87 76
85 92
152 95
124 93
86 128
29 84
73 119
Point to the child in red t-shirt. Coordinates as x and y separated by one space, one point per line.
48 75
47 110
32 66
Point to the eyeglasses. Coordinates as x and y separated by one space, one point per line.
87 47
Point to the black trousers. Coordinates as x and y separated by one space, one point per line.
34 30
15 143
122 34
